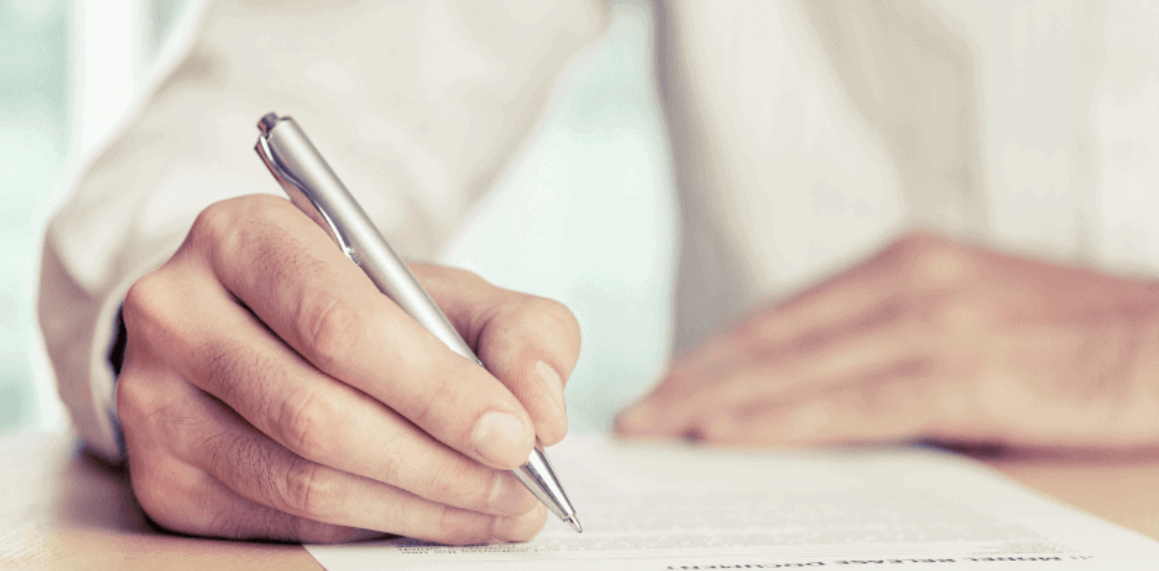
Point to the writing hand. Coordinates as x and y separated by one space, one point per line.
927 340
270 391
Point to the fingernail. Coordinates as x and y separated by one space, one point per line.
502 438
553 384
510 497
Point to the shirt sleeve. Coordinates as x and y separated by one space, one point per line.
417 105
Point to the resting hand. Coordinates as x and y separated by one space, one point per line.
927 340
270 391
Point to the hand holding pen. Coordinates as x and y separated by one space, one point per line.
318 193
270 390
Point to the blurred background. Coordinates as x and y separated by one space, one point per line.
68 72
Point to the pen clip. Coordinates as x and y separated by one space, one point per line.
300 194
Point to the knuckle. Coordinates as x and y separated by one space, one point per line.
131 401
169 498
146 304
141 397
330 327
308 490
214 224
305 430
156 314
224 227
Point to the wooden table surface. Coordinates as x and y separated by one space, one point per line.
63 510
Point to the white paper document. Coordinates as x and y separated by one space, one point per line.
681 507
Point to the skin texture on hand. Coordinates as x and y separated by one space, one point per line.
928 340
270 391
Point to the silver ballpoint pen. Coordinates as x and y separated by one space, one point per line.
316 190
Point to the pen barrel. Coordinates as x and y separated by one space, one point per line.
316 190
538 477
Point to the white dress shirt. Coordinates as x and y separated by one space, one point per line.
659 167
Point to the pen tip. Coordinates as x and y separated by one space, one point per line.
575 524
